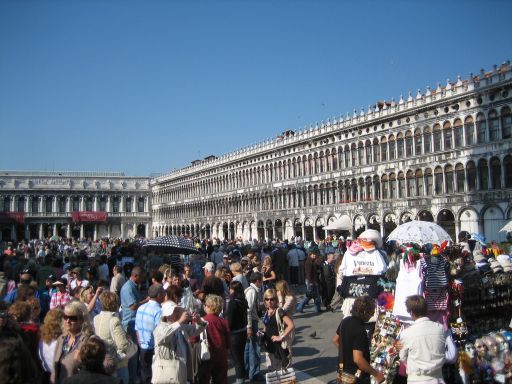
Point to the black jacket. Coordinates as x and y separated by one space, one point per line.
87 377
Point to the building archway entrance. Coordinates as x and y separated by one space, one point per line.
446 220
269 229
141 230
425 216
308 230
297 229
225 232
260 230
231 231
279 229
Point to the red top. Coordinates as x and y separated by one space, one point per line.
218 337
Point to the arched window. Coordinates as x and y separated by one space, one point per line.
483 174
438 181
411 185
384 149
469 130
376 187
321 163
481 129
401 185
427 140
368 150
408 144
419 182
448 177
376 150
360 154
428 182
400 145
471 176
447 134
418 142
458 135
437 138
392 148
494 126
392 186
495 173
334 158
354 190
385 186
459 178
347 156
353 154
507 163
506 123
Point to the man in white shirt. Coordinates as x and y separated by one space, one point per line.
422 345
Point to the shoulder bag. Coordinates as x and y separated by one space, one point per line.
205 349
280 327
132 347
284 376
166 365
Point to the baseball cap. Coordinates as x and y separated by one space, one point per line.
209 266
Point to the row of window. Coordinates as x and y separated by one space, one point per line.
479 175
39 204
387 148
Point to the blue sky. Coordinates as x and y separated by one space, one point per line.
147 86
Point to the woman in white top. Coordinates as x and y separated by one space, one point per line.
50 331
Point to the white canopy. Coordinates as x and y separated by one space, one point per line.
340 224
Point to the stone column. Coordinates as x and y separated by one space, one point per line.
68 205
121 203
13 232
95 233
82 204
41 234
27 232
95 204
13 205
122 230
55 230
68 231
109 204
82 231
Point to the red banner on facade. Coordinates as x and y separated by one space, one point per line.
89 216
12 217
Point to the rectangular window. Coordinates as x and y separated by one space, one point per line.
128 205
439 183
368 154
417 145
408 147
376 153
428 185
21 205
400 148
428 143
62 205
419 180
76 204
506 124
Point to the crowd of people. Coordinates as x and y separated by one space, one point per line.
115 312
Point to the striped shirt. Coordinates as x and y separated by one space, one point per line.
59 299
146 320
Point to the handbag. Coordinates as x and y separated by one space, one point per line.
347 378
166 366
280 328
284 376
130 351
205 349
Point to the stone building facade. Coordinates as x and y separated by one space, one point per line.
442 155
73 204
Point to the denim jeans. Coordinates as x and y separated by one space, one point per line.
252 355
123 374
311 293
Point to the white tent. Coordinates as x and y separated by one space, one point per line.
340 224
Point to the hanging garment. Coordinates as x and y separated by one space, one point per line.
435 272
408 283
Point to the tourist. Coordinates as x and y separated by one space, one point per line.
293 256
76 331
50 330
91 356
76 279
108 327
269 275
278 329
311 275
285 298
237 321
327 280
252 347
61 296
146 320
216 368
171 339
422 345
353 344
236 270
89 296
118 280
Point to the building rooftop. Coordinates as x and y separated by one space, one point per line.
61 173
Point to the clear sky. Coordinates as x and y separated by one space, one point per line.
147 86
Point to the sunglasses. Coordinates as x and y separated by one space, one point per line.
269 299
73 319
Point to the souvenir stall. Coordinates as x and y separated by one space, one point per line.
470 295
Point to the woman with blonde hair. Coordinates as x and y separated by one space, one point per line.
77 329
89 297
269 275
278 329
108 328
51 329
285 298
